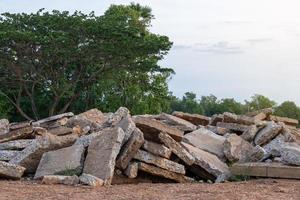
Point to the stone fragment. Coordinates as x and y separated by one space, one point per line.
17 134
254 155
179 123
207 141
19 125
286 120
94 115
132 170
52 118
291 155
195 119
180 178
61 130
273 148
90 180
86 140
130 149
157 149
207 165
239 119
32 154
176 148
159 162
217 130
233 126
215 119
57 179
12 171
151 128
102 154
4 126
7 155
267 133
16 144
66 161
83 125
261 114
128 126
250 133
115 118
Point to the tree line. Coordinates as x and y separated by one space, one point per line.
54 62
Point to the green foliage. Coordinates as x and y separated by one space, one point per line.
258 102
52 62
188 103
288 109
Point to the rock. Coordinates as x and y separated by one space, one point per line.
207 165
4 126
56 179
52 118
132 170
60 130
7 155
193 118
16 144
207 141
180 178
159 162
115 118
82 125
130 149
19 125
90 180
102 154
286 120
128 126
217 130
157 149
240 128
215 119
273 148
261 114
151 128
291 155
87 139
238 149
11 171
177 122
250 133
267 133
17 134
176 148
66 161
94 115
239 119
32 154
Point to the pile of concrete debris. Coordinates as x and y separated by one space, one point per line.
96 148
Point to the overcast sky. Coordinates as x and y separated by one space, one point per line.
228 48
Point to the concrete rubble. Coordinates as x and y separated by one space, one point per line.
97 149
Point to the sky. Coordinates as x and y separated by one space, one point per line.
229 48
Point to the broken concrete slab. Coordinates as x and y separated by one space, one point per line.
4 126
11 171
61 130
151 128
19 125
240 128
250 133
86 140
286 120
180 178
65 161
217 130
177 122
290 154
16 144
83 125
261 114
56 179
32 154
271 170
87 179
267 133
206 140
128 151
176 148
273 148
215 119
52 118
16 134
239 119
116 117
214 168
94 115
128 126
102 154
159 162
195 119
7 155
132 170
256 154
157 149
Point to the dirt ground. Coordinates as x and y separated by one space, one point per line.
253 189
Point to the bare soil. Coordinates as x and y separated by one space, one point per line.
253 189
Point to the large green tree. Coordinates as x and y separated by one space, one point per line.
288 109
51 62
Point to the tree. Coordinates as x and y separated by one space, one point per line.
210 105
288 109
231 105
52 61
258 102
188 103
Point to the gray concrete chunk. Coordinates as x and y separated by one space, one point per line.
267 133
12 171
157 149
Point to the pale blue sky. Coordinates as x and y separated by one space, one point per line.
229 48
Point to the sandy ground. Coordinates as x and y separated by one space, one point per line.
253 189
